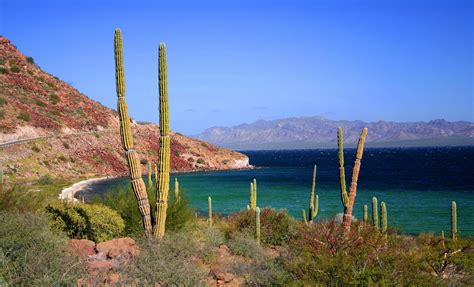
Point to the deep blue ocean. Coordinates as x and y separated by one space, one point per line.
417 185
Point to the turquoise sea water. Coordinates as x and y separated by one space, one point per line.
417 184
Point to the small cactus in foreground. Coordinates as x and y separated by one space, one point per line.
375 213
138 186
209 210
383 217
454 221
257 224
176 189
366 213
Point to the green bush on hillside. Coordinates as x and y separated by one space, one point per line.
32 255
24 116
85 221
15 69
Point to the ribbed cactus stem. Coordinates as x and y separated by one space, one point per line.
164 153
454 221
342 173
366 213
303 215
176 189
150 182
383 217
313 199
349 206
138 186
375 213
257 224
209 210
253 195
250 196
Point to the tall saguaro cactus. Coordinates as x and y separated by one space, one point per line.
313 199
164 168
383 217
454 221
138 185
348 199
375 212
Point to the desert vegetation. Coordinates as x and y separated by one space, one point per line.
45 241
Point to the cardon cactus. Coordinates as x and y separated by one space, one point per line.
209 211
164 168
150 182
383 217
454 221
348 199
375 213
138 185
366 213
176 189
257 224
313 199
253 194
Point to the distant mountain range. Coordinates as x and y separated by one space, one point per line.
318 132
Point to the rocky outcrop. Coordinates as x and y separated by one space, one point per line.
74 136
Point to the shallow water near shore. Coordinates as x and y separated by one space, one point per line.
417 184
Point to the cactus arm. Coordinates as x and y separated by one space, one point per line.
138 186
342 173
312 209
164 152
257 224
150 182
176 189
254 203
251 196
209 210
303 215
383 217
375 213
454 221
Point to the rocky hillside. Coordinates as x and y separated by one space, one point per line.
77 136
314 132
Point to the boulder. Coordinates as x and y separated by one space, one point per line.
122 249
83 247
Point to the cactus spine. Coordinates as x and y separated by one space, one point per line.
303 214
375 213
209 210
164 168
313 199
138 185
349 199
383 217
366 213
454 221
253 195
257 224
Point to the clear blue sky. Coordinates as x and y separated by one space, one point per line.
239 61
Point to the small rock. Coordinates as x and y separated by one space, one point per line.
221 275
113 278
83 248
122 249
95 266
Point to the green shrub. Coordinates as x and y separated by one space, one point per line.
190 159
14 69
66 145
24 116
178 216
169 262
244 244
3 102
20 199
54 99
2 115
30 60
35 148
40 103
276 227
4 71
31 255
62 158
85 221
200 161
